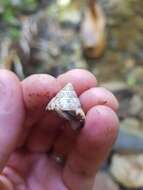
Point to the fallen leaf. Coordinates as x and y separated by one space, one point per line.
93 30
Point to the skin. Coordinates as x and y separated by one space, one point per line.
27 133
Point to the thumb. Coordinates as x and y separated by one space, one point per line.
11 114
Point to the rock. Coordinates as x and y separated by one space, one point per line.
135 105
131 125
130 138
128 142
69 13
123 112
141 115
128 170
44 50
124 94
1 9
136 75
122 15
115 86
104 182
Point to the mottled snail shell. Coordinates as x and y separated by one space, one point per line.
66 103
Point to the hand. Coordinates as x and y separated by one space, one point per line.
27 133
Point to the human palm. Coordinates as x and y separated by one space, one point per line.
32 140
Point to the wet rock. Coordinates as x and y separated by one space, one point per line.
104 182
128 170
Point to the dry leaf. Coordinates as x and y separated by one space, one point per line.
93 30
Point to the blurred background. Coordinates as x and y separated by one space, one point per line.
105 37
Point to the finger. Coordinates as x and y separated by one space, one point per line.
38 90
44 134
34 142
81 80
98 96
93 146
65 141
11 114
41 140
